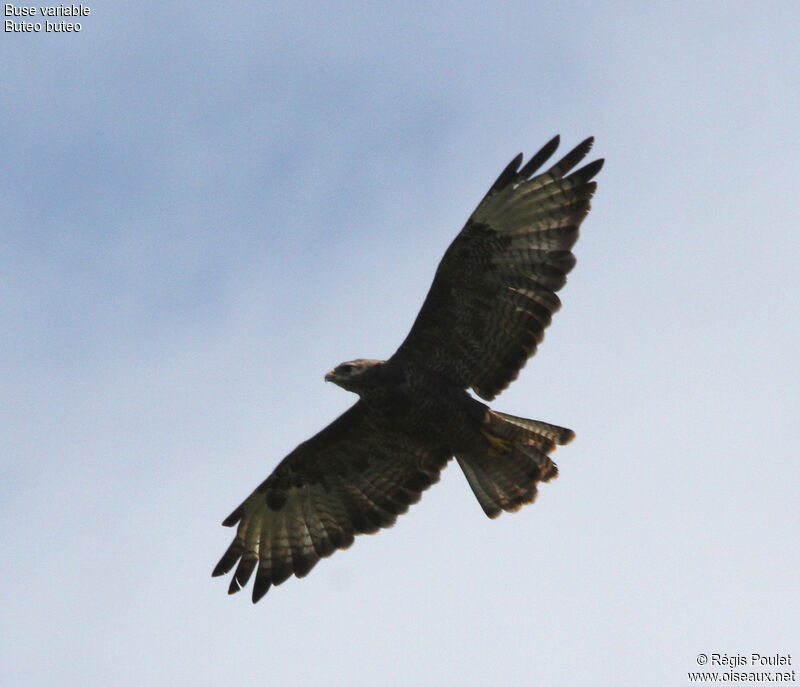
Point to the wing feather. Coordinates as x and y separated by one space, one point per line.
494 292
354 477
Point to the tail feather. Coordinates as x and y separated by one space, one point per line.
503 474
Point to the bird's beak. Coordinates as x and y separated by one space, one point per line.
330 376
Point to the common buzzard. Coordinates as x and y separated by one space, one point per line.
486 311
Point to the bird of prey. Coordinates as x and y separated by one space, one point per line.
493 294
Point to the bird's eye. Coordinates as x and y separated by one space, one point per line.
346 369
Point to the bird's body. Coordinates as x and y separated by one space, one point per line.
490 301
419 402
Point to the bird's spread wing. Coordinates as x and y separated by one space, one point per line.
353 477
495 288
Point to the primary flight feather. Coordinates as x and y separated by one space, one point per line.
493 295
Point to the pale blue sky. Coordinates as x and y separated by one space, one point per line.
203 208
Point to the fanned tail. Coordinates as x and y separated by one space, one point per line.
504 475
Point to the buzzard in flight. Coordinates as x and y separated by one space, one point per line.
486 311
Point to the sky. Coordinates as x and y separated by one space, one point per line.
204 207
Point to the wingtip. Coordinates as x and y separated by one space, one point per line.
233 518
228 559
507 176
259 592
585 145
588 172
572 158
540 157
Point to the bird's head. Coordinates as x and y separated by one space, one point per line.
354 375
